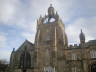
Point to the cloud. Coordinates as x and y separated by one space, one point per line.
88 25
3 40
16 12
7 10
5 54
29 36
22 15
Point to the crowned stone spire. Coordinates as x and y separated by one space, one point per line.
51 11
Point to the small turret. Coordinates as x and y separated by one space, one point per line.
57 16
12 58
82 37
13 50
39 21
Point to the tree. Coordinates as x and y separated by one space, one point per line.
3 65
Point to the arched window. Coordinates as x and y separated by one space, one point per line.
25 60
49 69
74 69
74 56
93 53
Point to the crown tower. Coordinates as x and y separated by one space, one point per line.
50 41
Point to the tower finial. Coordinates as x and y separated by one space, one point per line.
51 11
51 5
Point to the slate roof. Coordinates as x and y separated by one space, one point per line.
28 45
91 42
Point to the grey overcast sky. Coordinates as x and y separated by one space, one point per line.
18 20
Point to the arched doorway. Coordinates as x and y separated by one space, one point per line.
24 70
93 67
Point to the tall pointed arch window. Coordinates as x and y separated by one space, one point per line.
93 53
25 59
74 56
74 69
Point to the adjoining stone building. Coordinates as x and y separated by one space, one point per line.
51 53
